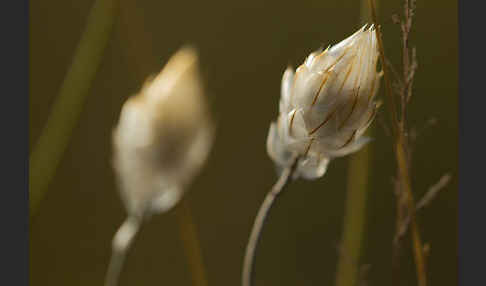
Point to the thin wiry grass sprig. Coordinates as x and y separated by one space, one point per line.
405 199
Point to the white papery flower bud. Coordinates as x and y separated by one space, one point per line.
163 137
327 105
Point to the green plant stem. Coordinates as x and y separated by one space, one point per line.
354 218
191 244
65 112
355 208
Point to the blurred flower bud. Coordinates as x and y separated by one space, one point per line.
163 137
327 105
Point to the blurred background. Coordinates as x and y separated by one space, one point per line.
244 48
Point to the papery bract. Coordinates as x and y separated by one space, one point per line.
163 137
327 105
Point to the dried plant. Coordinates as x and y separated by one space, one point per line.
399 95
325 108
160 143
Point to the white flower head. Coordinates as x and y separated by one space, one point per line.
163 137
327 105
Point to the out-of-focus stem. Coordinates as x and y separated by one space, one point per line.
401 157
354 218
54 138
191 243
364 11
355 208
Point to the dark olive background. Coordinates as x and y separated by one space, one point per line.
244 48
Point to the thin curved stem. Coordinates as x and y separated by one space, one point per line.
260 220
122 240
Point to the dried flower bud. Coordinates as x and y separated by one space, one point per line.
163 137
327 105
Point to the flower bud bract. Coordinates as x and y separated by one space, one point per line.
163 137
326 105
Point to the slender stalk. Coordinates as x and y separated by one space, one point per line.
416 240
191 244
355 216
260 220
122 241
54 138
354 219
397 243
401 157
388 89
